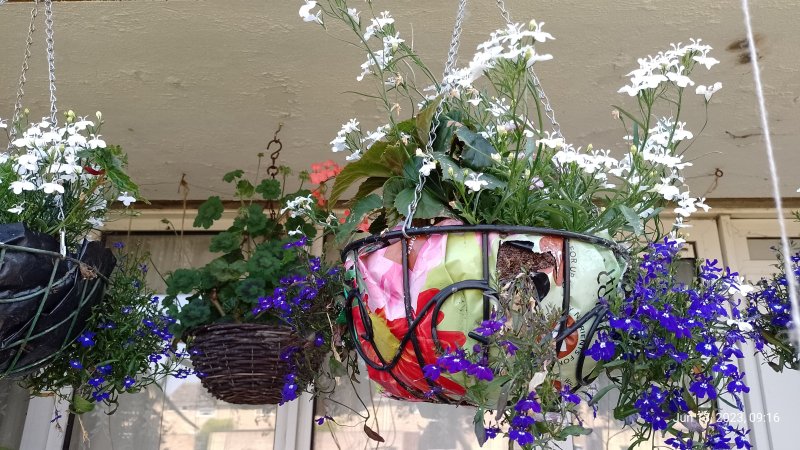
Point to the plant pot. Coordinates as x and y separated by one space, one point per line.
415 296
241 363
44 307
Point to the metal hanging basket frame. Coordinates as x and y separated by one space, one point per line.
387 363
56 311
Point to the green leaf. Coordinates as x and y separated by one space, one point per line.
391 188
256 221
182 281
574 430
230 176
360 209
424 119
369 185
477 152
480 428
370 165
244 189
428 207
225 242
395 157
372 434
269 189
337 369
208 212
632 219
80 405
601 393
444 134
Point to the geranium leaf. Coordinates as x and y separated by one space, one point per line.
244 189
477 152
209 211
230 176
269 189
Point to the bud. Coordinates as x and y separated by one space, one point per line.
99 116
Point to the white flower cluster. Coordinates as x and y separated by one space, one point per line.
351 138
516 42
48 159
299 206
670 66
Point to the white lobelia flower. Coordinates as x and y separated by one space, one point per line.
537 33
708 91
377 24
741 324
707 61
126 199
295 232
17 209
349 127
550 141
3 124
298 204
355 156
428 164
353 13
474 183
96 142
392 42
95 222
679 78
18 186
52 188
307 16
81 124
339 144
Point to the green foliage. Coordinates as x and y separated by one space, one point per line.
129 346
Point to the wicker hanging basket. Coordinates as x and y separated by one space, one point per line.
417 294
241 363
45 299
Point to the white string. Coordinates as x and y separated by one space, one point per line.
792 280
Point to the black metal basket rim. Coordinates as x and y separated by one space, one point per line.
385 237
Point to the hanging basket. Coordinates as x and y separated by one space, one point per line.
448 272
45 299
241 363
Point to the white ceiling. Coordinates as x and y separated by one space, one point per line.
198 87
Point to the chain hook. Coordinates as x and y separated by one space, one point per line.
273 169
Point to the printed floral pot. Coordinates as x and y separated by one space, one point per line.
410 294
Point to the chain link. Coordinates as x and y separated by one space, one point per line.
273 169
548 109
23 75
51 60
449 67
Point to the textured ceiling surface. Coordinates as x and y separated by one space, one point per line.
198 87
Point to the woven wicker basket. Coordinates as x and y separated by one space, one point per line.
241 361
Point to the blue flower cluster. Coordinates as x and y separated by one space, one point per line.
673 332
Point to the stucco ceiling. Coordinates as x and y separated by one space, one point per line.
198 87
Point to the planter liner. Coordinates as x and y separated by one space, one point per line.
52 300
444 272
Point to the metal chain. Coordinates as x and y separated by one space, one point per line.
452 57
51 60
273 170
548 109
23 75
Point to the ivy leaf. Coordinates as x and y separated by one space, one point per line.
230 176
209 211
428 207
225 242
477 152
269 189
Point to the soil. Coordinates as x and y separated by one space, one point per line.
511 260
